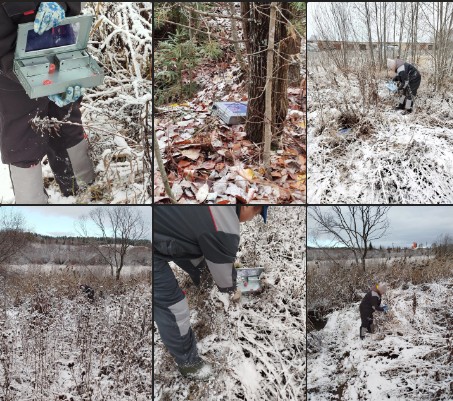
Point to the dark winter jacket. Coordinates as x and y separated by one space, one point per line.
406 72
371 302
13 13
194 233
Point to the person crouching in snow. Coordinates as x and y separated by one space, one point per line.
22 146
194 238
408 78
371 302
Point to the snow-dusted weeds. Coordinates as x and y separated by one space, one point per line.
55 347
257 347
386 157
409 357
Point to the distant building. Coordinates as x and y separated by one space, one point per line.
392 47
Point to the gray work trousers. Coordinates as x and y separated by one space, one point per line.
171 314
23 144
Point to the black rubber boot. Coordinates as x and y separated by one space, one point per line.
362 332
63 173
198 371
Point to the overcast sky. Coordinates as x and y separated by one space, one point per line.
316 9
60 220
408 224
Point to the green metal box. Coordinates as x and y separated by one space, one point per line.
48 64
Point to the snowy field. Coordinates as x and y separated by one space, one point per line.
59 348
410 357
257 347
87 271
383 156
325 265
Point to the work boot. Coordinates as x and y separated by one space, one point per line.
407 111
28 185
81 163
62 171
362 332
201 370
399 107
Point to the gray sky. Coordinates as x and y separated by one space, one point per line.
60 220
316 9
408 224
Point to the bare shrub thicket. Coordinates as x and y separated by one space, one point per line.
58 344
341 285
119 115
115 230
13 236
356 40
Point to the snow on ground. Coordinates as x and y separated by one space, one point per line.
257 347
56 348
386 157
409 357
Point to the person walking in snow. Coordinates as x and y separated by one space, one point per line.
194 238
371 302
408 79
22 147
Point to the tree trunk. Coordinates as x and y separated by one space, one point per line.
370 37
256 28
294 48
363 257
269 84
282 59
234 33
256 31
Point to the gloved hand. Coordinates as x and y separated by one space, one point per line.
386 308
71 95
236 297
49 15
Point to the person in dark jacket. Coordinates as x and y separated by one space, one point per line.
408 79
371 302
22 145
87 291
194 238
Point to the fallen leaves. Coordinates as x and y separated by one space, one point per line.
209 162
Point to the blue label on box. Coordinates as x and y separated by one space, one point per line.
236 107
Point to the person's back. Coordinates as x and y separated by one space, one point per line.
408 79
370 303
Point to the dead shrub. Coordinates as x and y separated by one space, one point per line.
340 286
348 119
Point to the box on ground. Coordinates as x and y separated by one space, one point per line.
231 113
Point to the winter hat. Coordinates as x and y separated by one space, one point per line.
391 64
264 213
382 288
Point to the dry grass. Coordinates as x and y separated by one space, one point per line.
59 345
338 287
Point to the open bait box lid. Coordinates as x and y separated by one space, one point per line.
248 280
230 113
391 86
48 64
